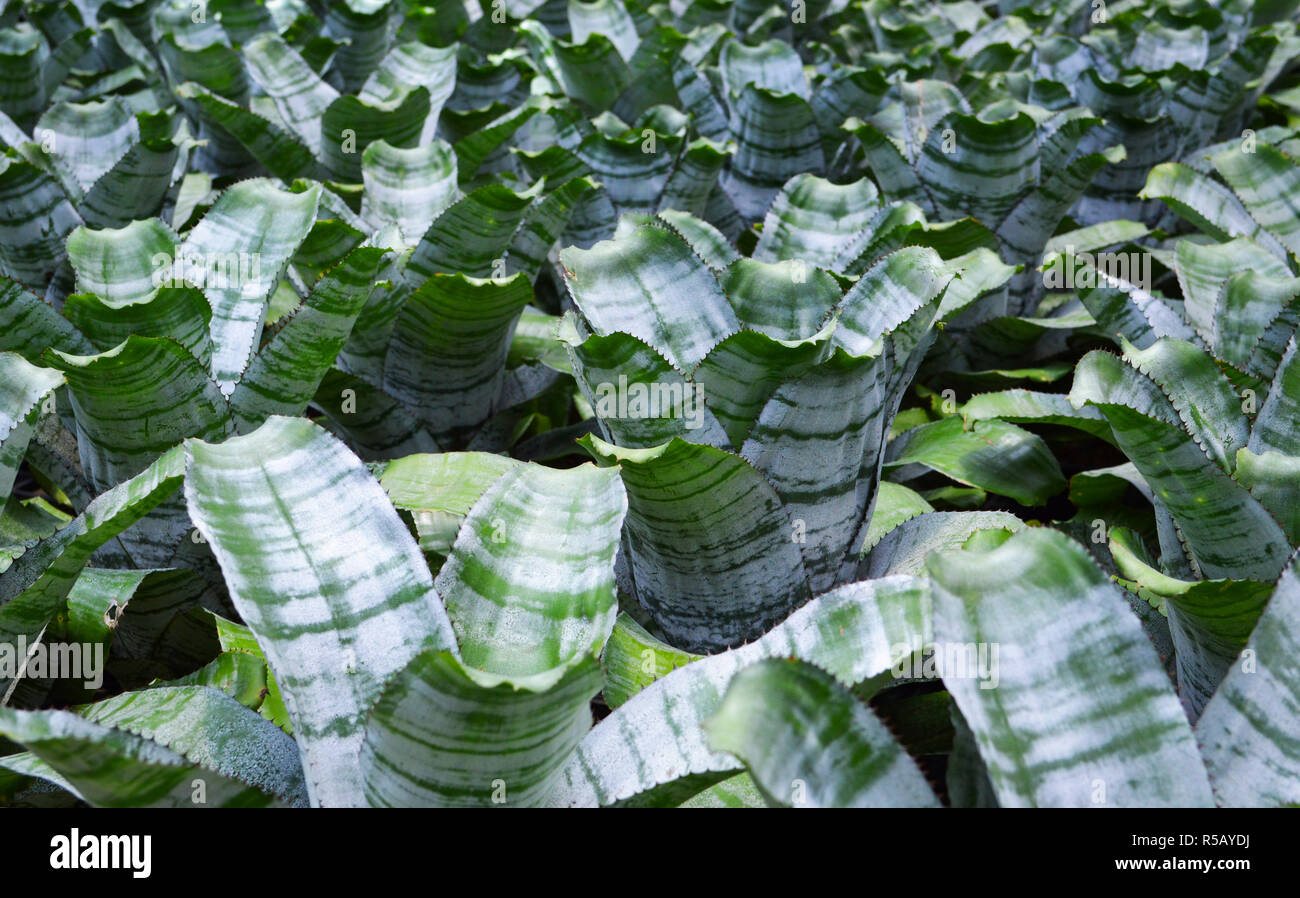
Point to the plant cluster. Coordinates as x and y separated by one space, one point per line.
696 403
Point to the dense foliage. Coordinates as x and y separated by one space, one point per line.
628 402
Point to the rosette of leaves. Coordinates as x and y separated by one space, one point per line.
429 364
1211 431
766 391
166 338
1166 86
794 718
471 687
1242 189
300 124
1015 168
98 163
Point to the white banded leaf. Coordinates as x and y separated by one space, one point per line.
651 285
816 221
88 137
408 188
712 550
256 228
1081 712
1248 731
651 750
324 572
23 388
809 742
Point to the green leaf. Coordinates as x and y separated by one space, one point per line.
633 659
808 742
711 547
854 632
145 749
894 505
36 587
449 347
1029 407
440 490
1248 731
1077 710
992 455
285 509
286 372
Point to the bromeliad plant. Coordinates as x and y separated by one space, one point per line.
413 678
267 268
1167 86
747 410
1015 168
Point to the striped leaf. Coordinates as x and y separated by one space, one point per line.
713 552
150 748
448 352
671 302
652 749
29 325
776 139
531 617
633 659
1266 181
23 389
808 742
408 188
1076 710
89 138
1248 731
1206 204
286 372
1227 531
285 510
35 217
252 231
181 313
816 221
